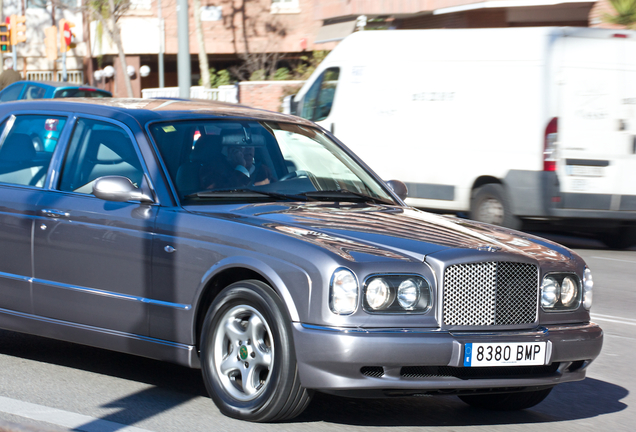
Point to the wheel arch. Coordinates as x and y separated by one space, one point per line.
235 270
484 180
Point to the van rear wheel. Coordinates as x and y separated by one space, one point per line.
622 238
490 204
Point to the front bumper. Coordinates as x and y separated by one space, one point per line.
385 362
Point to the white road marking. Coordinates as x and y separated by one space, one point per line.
67 419
614 319
614 259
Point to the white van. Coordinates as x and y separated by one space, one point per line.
510 125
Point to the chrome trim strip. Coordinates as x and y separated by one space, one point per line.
539 331
98 329
180 306
371 331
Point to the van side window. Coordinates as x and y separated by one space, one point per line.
99 149
27 143
318 100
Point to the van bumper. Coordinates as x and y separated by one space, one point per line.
536 194
391 362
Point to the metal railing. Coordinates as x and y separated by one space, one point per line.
75 77
227 93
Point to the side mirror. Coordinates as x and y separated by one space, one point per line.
399 188
293 105
119 189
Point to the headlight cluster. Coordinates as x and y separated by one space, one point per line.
560 292
343 292
396 293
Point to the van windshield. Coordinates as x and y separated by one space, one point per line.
250 160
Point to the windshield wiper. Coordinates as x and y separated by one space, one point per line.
244 193
338 194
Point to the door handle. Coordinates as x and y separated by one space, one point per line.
52 213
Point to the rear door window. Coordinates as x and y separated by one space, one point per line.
33 92
27 143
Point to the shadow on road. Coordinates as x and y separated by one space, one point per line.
571 401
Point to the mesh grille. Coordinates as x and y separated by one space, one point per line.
490 293
372 371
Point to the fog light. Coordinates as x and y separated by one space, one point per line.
408 294
549 292
344 292
588 284
569 291
378 294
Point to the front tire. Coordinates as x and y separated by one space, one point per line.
247 355
507 401
490 204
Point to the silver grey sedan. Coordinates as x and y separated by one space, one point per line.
256 247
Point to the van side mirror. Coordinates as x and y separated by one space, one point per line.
119 189
399 188
293 105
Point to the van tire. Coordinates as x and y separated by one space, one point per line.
622 238
490 204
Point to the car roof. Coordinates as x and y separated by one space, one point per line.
61 84
147 110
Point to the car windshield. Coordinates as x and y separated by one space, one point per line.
255 160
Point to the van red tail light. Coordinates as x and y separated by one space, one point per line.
550 145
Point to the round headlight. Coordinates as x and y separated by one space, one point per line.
344 292
408 294
549 292
378 294
568 291
588 284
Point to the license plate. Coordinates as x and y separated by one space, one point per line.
585 171
504 354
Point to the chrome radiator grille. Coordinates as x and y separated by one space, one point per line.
490 293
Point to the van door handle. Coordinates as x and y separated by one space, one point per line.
56 214
333 128
634 144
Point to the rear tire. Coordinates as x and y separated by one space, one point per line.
507 401
622 238
248 359
490 204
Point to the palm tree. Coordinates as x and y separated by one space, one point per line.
625 13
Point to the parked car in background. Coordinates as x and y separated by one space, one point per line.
255 246
25 90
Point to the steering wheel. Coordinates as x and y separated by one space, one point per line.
296 174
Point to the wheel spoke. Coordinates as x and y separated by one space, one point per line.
230 364
249 380
255 329
234 331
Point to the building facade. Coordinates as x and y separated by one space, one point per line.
238 31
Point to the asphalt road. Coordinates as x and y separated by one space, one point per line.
51 385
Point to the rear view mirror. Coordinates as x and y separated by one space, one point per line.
119 189
399 188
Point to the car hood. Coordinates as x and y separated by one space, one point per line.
360 231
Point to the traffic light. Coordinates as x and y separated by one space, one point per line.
66 36
4 38
17 28
50 42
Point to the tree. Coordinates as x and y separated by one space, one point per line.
625 13
203 55
108 13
